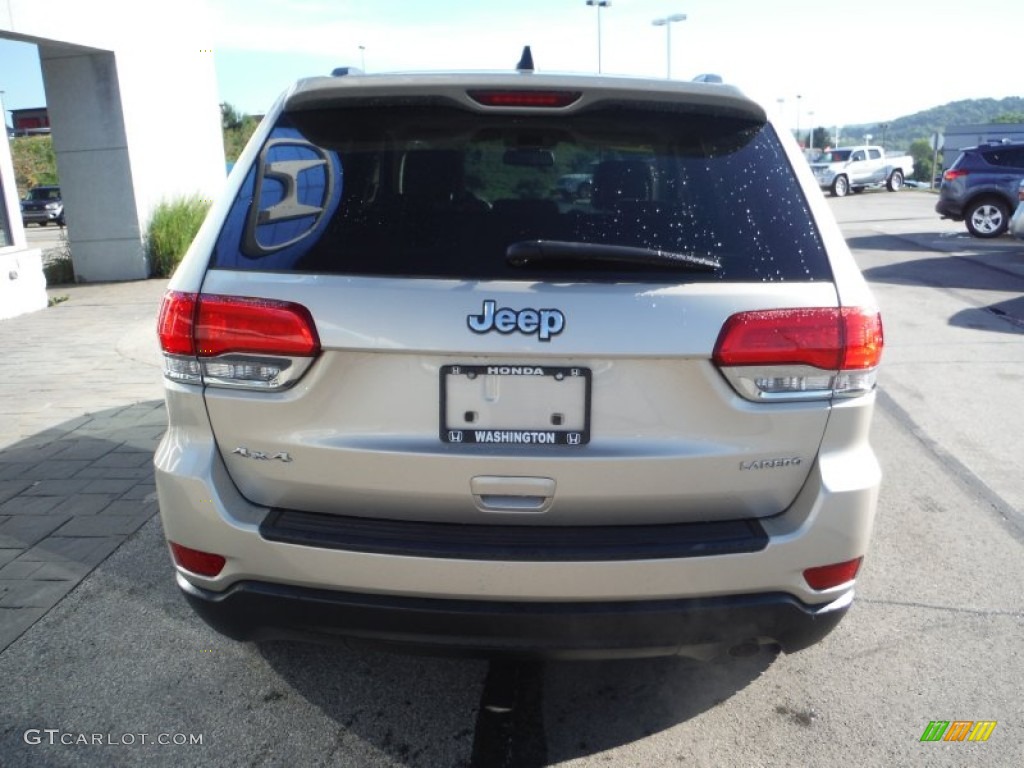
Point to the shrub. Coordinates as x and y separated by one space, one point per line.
171 229
57 265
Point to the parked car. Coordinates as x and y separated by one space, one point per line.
43 205
980 188
857 168
634 426
1017 220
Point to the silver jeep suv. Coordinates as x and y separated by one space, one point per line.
418 398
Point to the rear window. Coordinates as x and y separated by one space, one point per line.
43 194
436 191
1006 157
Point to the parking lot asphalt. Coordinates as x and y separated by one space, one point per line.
81 412
934 632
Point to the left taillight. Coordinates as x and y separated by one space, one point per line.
202 563
235 341
812 353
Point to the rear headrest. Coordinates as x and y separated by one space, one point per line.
616 180
432 173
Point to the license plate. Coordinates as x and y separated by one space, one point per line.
515 405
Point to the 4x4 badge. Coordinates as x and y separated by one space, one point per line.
260 455
545 323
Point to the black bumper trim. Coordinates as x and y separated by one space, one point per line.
263 611
535 543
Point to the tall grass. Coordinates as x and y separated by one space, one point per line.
57 265
171 230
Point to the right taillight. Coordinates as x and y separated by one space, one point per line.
235 341
800 354
828 576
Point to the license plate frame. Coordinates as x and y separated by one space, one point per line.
478 389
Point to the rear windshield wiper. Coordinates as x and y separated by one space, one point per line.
527 252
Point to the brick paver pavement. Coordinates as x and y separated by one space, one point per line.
81 413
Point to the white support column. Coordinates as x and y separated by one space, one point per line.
22 285
132 98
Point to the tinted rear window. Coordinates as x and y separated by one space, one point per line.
436 191
1007 157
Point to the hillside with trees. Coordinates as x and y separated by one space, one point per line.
913 133
902 131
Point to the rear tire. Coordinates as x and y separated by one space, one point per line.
840 187
895 182
987 218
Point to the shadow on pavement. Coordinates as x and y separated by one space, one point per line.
910 243
1011 313
949 272
114 650
592 707
421 710
69 496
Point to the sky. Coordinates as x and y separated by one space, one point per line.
817 62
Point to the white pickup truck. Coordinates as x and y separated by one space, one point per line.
844 168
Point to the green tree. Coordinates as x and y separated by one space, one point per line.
238 128
1009 117
230 118
822 138
35 163
924 158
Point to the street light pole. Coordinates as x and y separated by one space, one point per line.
667 23
599 4
362 57
798 118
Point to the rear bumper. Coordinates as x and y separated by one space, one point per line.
949 209
252 610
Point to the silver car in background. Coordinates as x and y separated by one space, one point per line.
418 399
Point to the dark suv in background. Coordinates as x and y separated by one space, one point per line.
43 205
980 188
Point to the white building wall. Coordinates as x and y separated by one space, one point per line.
132 95
22 286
